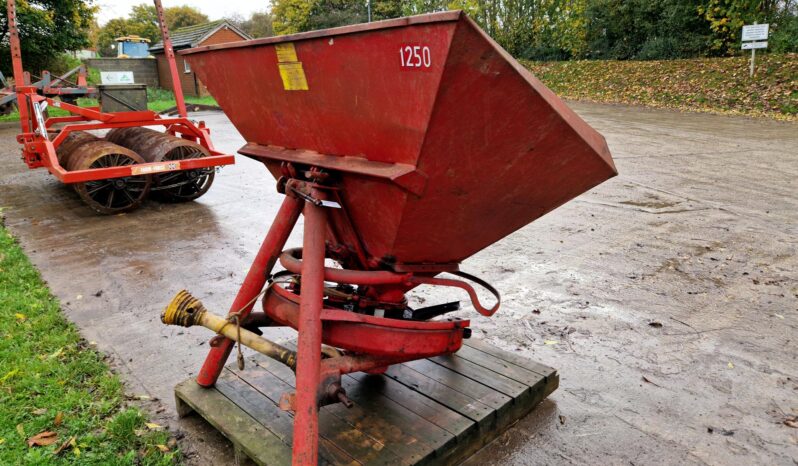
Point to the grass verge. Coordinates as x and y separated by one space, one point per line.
157 106
55 388
716 85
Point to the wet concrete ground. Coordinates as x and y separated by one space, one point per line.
668 296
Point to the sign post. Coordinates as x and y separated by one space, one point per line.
755 36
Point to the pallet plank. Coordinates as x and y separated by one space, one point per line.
380 414
436 413
246 433
461 383
272 417
468 407
494 380
405 431
353 441
509 357
509 370
432 411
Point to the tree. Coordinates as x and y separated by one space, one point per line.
183 16
564 29
727 17
47 29
291 16
106 37
645 29
143 22
258 25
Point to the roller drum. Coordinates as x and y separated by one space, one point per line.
84 151
155 146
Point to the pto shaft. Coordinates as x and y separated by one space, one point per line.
187 311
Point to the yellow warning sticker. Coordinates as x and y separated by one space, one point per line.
286 53
293 76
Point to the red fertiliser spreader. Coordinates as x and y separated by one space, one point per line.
408 145
115 173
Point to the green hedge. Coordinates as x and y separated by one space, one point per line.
718 85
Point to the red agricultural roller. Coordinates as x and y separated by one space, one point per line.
113 174
408 145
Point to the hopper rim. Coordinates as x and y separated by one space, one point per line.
439 17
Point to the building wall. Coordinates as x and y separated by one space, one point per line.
192 86
144 69
186 79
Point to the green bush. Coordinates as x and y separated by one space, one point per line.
784 38
61 64
157 94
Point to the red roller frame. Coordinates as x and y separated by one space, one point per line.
39 151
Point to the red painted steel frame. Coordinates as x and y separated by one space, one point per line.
253 284
308 377
375 342
177 85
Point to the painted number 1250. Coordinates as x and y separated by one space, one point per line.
415 56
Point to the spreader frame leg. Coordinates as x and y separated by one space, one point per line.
306 421
253 284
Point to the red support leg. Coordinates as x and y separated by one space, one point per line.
306 421
253 283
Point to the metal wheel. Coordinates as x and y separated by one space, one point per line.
116 195
185 185
155 146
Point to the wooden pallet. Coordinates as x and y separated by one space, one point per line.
432 411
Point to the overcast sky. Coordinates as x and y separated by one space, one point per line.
215 9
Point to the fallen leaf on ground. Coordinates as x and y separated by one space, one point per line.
153 426
9 375
39 412
21 430
42 439
163 448
779 316
75 448
731 366
791 422
59 418
2 441
64 446
20 316
550 342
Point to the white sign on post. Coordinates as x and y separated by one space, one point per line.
755 36
755 45
116 77
755 32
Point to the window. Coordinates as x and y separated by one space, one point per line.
186 67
